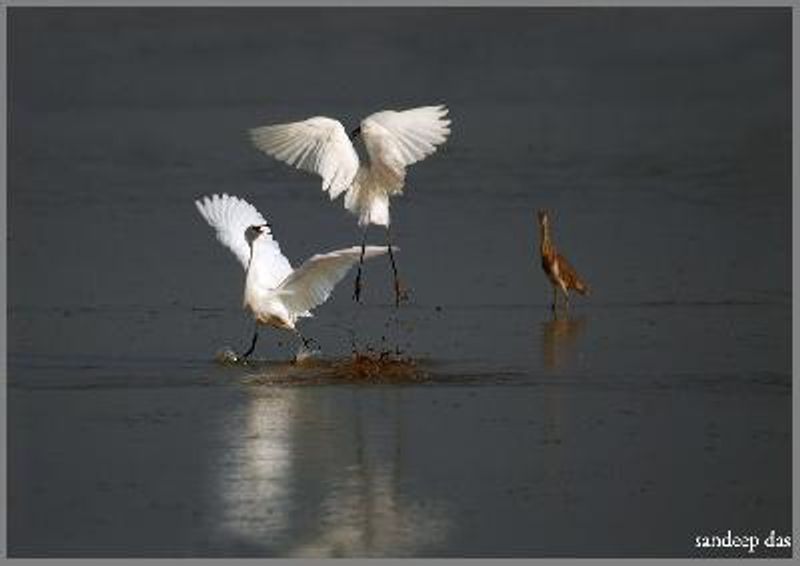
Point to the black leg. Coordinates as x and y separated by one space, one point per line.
252 344
357 290
394 269
306 351
307 342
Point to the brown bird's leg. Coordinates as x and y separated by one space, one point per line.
252 347
357 290
554 306
394 269
566 299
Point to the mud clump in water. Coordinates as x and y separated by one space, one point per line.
370 367
383 367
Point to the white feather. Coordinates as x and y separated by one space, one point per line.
311 284
393 140
405 137
230 217
274 292
318 145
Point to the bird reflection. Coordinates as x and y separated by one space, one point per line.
255 465
558 339
309 474
367 514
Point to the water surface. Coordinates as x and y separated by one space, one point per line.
658 410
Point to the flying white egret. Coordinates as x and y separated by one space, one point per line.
393 139
276 294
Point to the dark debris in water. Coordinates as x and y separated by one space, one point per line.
383 367
361 367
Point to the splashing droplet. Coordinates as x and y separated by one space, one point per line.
226 356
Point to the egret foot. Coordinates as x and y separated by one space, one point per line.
306 350
227 356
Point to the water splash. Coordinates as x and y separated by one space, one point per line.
378 367
228 357
305 353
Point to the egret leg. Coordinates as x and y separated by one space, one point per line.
306 341
394 269
252 347
306 351
357 289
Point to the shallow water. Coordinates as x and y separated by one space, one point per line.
657 410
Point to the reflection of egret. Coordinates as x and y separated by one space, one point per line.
307 475
368 515
255 470
367 518
558 340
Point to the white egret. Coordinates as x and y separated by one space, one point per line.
276 294
393 139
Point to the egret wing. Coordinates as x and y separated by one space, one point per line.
395 139
230 217
312 283
269 266
318 145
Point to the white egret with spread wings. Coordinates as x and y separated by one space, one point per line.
275 293
393 140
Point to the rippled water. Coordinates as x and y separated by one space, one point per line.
659 409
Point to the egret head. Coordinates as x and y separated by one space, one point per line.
253 232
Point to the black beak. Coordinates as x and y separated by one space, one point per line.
355 133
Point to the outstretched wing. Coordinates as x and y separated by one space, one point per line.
312 283
230 217
395 140
318 145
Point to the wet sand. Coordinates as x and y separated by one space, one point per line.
658 410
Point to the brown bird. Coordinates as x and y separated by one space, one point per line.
561 274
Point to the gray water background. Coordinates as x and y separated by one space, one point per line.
660 141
